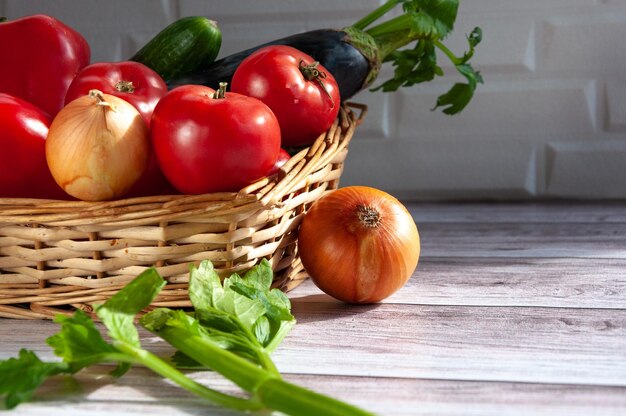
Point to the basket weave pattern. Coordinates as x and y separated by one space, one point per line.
56 256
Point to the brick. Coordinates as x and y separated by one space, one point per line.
261 22
585 42
376 124
587 169
616 104
482 6
274 9
503 106
105 25
513 52
443 168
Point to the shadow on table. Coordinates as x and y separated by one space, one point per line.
322 307
93 390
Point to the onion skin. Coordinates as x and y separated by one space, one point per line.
359 244
96 151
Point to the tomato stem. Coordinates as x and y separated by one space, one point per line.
368 216
3 19
312 73
125 86
221 92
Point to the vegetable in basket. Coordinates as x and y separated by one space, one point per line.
97 147
354 55
40 58
133 82
302 94
233 329
213 141
183 46
23 169
140 86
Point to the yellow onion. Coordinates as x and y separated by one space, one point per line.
97 147
359 244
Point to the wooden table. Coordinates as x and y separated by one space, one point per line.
514 309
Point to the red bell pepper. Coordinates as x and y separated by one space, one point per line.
40 58
24 171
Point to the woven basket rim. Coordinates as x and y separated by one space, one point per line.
264 192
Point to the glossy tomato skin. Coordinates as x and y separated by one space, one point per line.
114 77
24 171
206 144
304 108
283 157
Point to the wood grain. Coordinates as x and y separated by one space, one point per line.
549 212
514 309
94 393
543 282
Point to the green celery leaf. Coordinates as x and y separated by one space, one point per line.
432 18
78 341
457 98
222 329
473 39
412 66
119 311
206 291
21 376
229 333
242 314
261 276
262 330
205 285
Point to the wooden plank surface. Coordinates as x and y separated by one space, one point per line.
514 309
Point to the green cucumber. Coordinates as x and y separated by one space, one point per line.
182 47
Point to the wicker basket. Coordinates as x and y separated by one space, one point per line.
56 256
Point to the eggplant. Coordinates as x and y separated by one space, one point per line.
341 52
355 54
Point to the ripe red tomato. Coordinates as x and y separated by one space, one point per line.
140 86
207 144
24 171
130 81
302 93
283 157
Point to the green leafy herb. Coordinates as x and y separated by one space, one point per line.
427 23
118 313
21 376
233 329
262 311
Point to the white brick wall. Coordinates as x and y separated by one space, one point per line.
549 122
